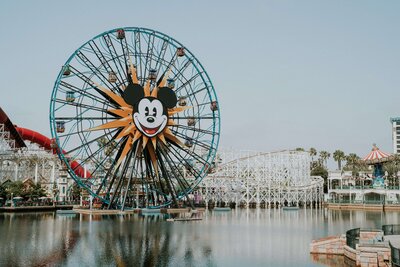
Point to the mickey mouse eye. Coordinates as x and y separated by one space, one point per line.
154 112
146 111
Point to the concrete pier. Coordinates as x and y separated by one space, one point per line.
372 249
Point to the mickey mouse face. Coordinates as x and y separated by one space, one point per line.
151 114
150 118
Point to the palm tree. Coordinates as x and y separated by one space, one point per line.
338 156
313 153
353 163
324 156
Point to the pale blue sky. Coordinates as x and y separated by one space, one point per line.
321 74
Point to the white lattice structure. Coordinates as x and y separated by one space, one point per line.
270 179
31 162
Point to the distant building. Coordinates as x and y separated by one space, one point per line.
396 134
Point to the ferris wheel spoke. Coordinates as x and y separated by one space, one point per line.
197 142
83 118
197 130
107 157
83 93
175 168
105 62
89 82
96 72
178 152
112 171
64 102
188 117
114 55
188 164
161 56
196 92
89 142
168 179
138 52
187 82
186 64
149 54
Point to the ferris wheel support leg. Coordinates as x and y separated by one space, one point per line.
129 183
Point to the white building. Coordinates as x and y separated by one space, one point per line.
396 134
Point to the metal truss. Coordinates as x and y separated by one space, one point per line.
267 179
6 142
31 162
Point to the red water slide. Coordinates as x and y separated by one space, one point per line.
48 144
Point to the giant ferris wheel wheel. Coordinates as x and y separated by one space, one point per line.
135 118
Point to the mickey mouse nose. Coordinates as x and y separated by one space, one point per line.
150 119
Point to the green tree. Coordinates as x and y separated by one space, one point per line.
3 192
339 156
354 164
313 153
300 149
76 192
16 189
320 170
324 156
36 191
392 167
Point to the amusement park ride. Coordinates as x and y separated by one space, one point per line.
137 111
376 158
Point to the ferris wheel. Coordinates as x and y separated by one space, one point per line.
135 118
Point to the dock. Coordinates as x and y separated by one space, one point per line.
181 210
36 208
221 209
183 219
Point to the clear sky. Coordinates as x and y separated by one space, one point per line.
288 74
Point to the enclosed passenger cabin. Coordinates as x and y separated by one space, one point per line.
152 74
191 121
171 83
129 68
112 78
70 96
60 126
182 101
180 52
120 34
214 106
66 70
189 142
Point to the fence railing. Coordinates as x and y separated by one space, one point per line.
353 237
395 255
391 229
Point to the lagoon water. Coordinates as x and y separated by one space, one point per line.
241 237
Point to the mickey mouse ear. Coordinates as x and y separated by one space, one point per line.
133 93
167 97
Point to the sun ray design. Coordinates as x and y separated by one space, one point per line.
125 122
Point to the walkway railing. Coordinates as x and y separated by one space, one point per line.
395 255
360 187
393 229
353 237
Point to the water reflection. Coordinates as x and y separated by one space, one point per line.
237 238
